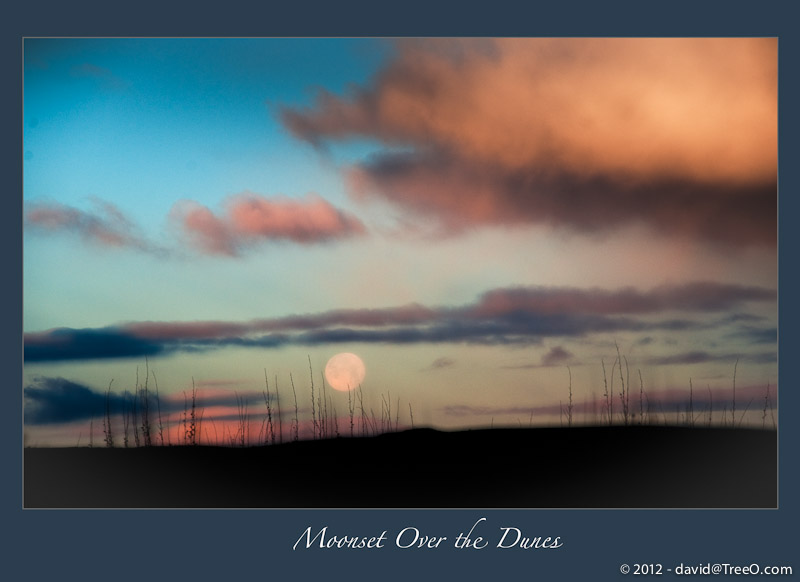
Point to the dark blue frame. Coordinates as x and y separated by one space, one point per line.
257 544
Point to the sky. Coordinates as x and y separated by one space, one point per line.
496 227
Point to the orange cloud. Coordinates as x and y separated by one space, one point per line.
582 133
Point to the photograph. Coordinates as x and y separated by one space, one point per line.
405 272
412 291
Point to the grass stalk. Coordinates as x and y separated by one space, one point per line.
200 425
158 409
733 405
623 395
192 434
746 408
107 432
278 406
363 412
313 409
350 409
335 422
569 407
296 419
270 434
145 398
242 436
710 406
768 405
216 436
641 398
325 420
135 399
126 419
607 395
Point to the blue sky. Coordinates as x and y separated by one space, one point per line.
146 120
474 218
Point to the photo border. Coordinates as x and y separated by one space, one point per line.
201 545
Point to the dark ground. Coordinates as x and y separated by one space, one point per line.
587 467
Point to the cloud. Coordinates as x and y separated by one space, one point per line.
101 74
463 410
703 357
679 135
197 330
443 362
214 384
654 405
55 400
65 344
691 297
106 227
51 400
556 356
499 317
757 335
249 219
460 195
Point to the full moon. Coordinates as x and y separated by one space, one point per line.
345 371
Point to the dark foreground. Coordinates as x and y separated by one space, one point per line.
587 467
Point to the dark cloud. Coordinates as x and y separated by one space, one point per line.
443 362
404 315
690 297
509 329
87 344
499 317
55 400
585 134
513 305
702 357
556 356
462 193
758 335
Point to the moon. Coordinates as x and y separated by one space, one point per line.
345 371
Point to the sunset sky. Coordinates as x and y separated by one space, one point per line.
482 221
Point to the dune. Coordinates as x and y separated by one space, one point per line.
578 467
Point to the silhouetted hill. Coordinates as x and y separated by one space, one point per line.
591 467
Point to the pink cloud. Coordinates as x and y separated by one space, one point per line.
587 134
193 330
250 218
107 227
498 303
207 232
637 107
